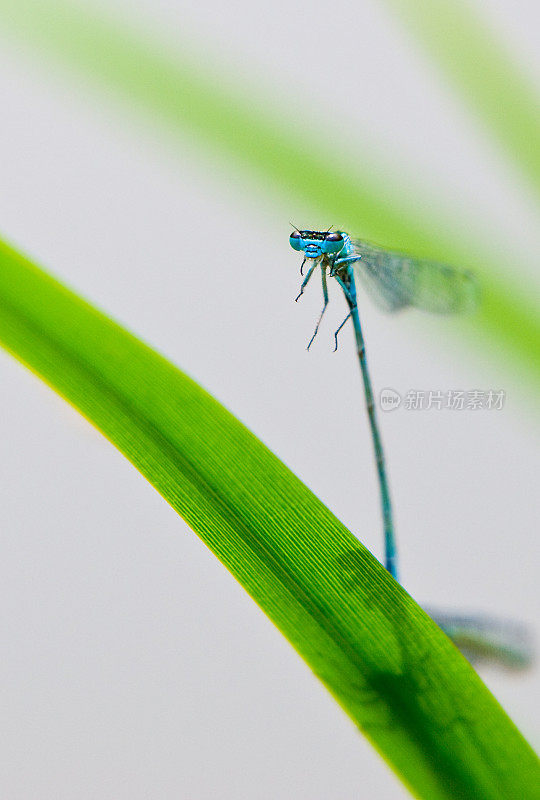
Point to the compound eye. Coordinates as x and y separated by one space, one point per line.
333 242
295 240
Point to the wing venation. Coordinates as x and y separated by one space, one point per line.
396 280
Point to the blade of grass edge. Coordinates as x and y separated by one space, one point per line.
383 659
192 102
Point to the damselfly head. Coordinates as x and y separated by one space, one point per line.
316 243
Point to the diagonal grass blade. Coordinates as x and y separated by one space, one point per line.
388 665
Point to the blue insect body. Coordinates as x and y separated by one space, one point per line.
335 254
395 281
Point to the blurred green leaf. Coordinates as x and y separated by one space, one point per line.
387 664
481 69
193 104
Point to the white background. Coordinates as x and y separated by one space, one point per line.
132 664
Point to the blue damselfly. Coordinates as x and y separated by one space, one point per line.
395 281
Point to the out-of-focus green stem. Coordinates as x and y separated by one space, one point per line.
192 104
481 69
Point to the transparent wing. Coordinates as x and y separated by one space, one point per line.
484 639
396 280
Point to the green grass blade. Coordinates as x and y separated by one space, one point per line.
387 664
193 104
481 69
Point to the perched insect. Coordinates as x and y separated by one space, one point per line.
395 281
